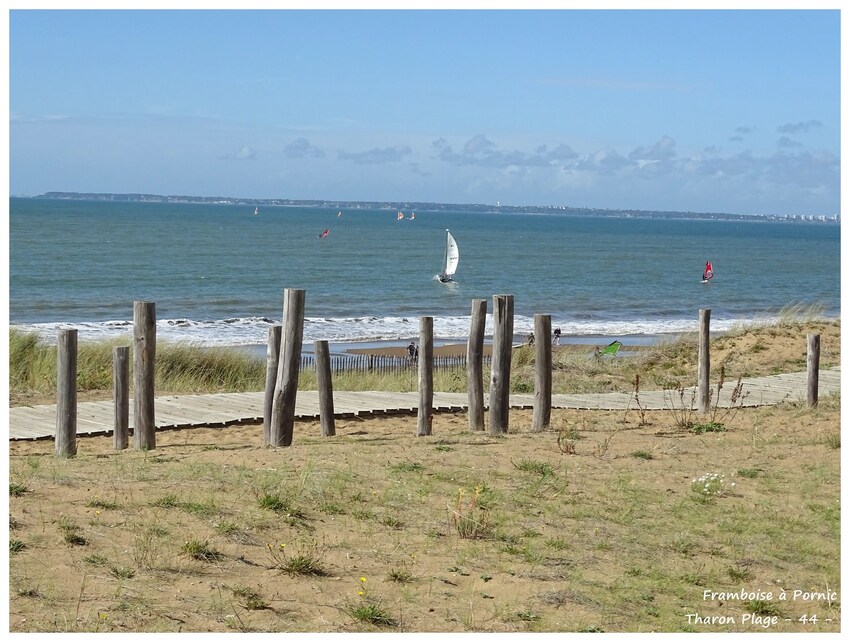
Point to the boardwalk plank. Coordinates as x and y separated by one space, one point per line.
34 422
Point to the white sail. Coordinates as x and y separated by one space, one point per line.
452 255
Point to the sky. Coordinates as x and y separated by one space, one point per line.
693 110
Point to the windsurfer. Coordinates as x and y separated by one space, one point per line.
708 271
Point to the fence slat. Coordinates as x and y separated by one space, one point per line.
326 390
812 368
286 386
500 374
426 376
704 362
542 373
144 373
272 362
121 396
474 365
66 393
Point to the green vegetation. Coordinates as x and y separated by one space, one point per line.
16 489
668 363
179 368
201 550
371 613
250 599
305 560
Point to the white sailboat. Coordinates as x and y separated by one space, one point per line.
451 259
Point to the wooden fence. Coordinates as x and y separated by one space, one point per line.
385 364
285 360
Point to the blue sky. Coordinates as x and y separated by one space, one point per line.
723 111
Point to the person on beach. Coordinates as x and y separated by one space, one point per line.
411 350
531 338
556 339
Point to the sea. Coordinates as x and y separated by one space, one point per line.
217 272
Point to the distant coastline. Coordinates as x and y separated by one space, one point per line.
430 207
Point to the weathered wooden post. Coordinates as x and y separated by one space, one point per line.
500 376
286 387
812 368
66 393
426 377
542 373
326 389
144 373
704 385
272 360
474 364
121 396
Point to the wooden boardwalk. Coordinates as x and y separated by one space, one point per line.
187 411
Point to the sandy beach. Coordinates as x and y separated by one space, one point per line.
459 349
598 531
600 523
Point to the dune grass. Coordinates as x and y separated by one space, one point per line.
179 368
663 365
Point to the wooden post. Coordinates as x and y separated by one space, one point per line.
286 387
474 364
144 372
812 368
121 396
704 389
542 372
500 376
426 376
66 393
272 360
326 389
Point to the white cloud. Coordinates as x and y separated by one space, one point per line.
302 148
799 128
378 155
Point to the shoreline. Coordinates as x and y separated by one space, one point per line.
250 333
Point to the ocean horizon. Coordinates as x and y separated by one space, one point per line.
217 273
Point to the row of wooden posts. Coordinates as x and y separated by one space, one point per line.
283 359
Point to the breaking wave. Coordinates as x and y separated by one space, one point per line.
246 331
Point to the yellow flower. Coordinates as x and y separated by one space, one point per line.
361 592
362 579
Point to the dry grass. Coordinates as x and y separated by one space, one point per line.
594 525
453 532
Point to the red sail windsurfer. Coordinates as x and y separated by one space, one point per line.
708 272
